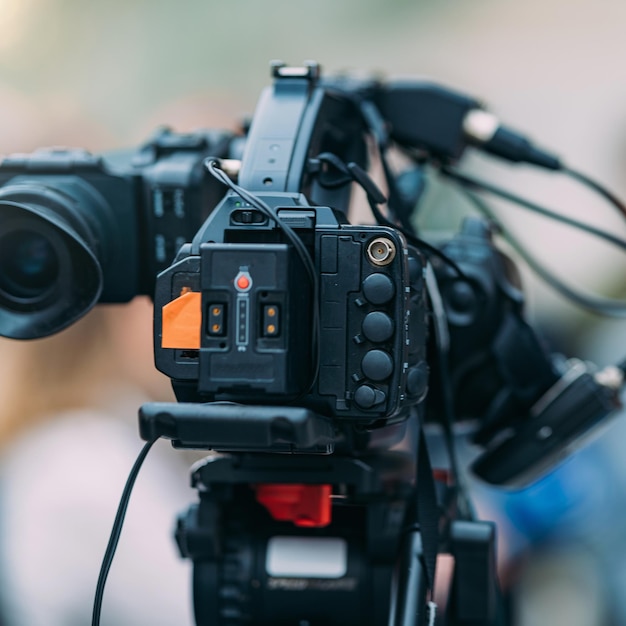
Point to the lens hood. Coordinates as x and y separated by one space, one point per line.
50 274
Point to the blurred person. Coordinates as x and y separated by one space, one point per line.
68 438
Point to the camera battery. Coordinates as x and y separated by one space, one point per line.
250 293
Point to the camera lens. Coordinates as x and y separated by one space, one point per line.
29 265
49 273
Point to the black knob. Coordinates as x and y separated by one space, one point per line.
367 397
377 365
377 326
462 304
378 288
417 379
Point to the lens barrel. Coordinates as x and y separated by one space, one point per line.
50 274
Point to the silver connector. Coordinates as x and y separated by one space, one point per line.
611 377
231 167
381 251
480 126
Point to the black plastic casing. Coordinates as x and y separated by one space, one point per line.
426 116
498 364
561 422
372 332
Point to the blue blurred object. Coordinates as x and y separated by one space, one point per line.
572 499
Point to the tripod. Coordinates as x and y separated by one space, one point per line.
310 539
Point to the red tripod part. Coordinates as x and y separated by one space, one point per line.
442 476
307 506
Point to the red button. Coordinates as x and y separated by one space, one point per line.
243 282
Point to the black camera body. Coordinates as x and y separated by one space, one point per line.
79 229
255 309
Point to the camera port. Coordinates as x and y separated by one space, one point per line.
381 251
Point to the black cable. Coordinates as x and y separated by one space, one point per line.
442 344
601 306
397 205
116 532
419 243
597 187
378 129
352 172
212 166
475 183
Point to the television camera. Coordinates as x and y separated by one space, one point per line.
307 351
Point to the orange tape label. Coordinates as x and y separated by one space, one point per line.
182 321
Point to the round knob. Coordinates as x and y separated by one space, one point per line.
367 397
377 365
417 379
377 326
462 304
378 288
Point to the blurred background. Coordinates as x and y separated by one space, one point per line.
104 75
